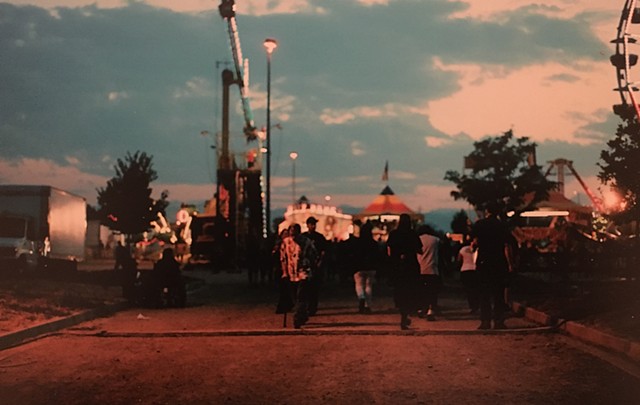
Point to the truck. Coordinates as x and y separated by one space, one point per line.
41 227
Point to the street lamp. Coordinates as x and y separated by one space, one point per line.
293 156
269 45
207 134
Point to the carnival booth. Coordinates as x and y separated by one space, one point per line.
332 223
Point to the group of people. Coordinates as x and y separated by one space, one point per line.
410 258
413 259
485 264
415 270
301 261
163 286
300 257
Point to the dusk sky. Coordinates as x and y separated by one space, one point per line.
354 83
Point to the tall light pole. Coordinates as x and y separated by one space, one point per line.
293 155
270 45
205 133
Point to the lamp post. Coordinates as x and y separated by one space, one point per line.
205 133
269 45
293 155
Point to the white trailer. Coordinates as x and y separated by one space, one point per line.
42 226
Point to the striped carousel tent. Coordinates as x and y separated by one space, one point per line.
387 205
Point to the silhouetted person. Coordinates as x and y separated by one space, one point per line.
367 259
167 275
493 266
403 247
320 243
128 278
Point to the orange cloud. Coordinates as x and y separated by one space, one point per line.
537 101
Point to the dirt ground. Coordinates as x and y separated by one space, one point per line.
193 356
343 369
27 300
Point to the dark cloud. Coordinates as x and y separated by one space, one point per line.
59 69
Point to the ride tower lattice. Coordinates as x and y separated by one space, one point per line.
239 189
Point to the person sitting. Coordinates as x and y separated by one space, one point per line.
167 278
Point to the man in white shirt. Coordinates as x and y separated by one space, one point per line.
429 272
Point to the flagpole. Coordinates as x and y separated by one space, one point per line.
385 173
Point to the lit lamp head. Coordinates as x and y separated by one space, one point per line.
270 45
293 155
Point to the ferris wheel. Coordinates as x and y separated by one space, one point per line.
624 60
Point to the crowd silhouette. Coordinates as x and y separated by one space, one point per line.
413 262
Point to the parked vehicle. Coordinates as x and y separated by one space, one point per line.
41 226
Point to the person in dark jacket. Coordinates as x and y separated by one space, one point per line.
167 276
367 259
494 263
320 244
403 247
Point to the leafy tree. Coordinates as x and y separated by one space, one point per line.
501 174
125 203
620 168
460 222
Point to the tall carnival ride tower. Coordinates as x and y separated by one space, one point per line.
239 205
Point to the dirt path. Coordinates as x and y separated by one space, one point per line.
230 347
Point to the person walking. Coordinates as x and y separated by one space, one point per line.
468 275
281 252
367 259
320 243
403 247
428 258
493 265
297 255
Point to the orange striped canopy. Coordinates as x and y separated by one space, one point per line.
386 203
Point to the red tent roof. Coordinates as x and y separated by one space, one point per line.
387 203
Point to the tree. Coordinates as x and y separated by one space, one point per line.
126 204
460 223
620 168
501 173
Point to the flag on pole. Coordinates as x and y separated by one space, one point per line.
385 173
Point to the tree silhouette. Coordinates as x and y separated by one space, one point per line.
460 223
620 167
501 172
125 203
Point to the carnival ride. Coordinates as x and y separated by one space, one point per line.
227 9
238 212
559 165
